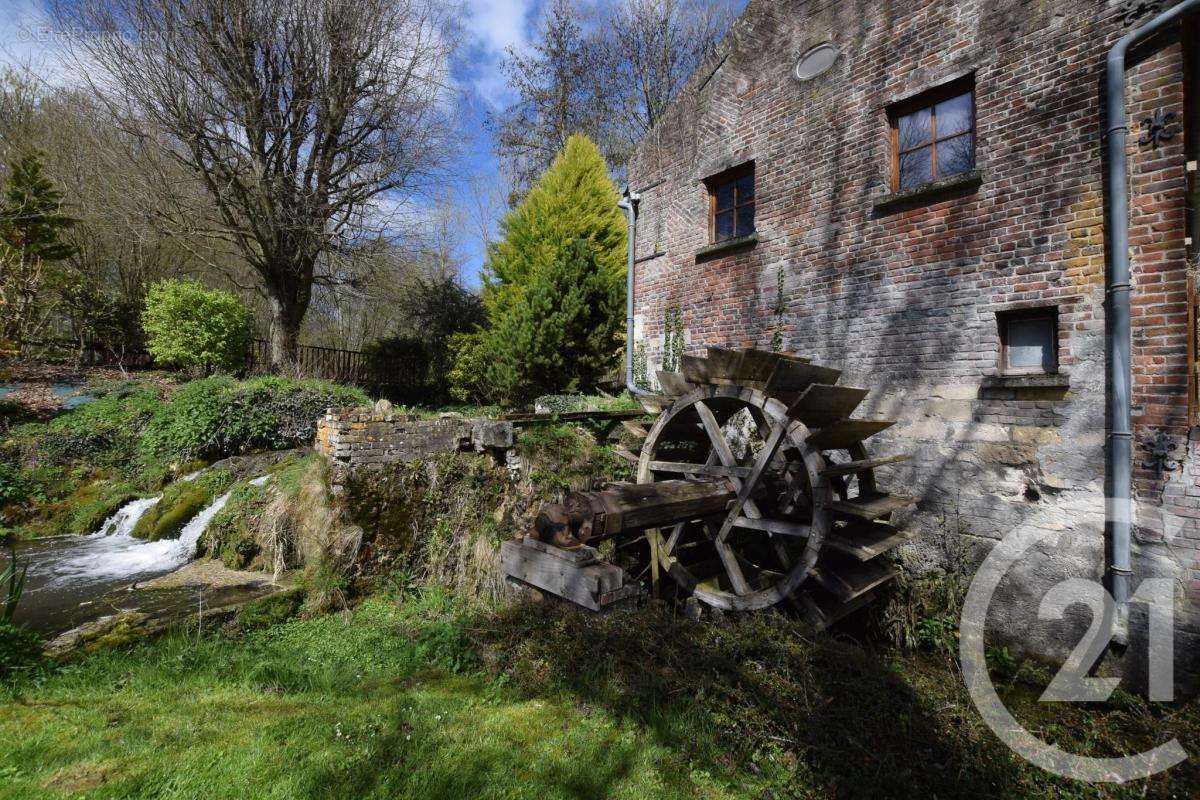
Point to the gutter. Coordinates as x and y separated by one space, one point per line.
1118 464
629 204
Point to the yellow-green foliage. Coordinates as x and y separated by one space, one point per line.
188 325
553 288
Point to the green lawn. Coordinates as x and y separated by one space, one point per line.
418 698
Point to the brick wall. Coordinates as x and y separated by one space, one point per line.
904 297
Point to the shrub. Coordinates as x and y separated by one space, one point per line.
13 487
217 417
19 649
562 332
188 326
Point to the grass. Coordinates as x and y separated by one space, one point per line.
415 695
388 701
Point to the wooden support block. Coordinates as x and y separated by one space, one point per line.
757 366
791 378
868 540
682 468
638 429
723 365
823 609
847 580
575 575
695 369
822 404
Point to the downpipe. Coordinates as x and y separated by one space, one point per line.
1118 465
629 204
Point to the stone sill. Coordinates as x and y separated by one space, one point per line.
726 246
1057 380
930 192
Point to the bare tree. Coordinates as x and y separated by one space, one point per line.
652 47
559 90
297 116
610 76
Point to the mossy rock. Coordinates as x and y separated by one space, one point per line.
270 610
90 515
180 503
240 552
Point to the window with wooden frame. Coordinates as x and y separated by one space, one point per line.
1028 341
731 204
933 136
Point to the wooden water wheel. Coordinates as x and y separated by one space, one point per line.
809 523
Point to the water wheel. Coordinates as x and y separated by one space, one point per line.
809 524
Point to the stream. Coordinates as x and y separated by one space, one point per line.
74 579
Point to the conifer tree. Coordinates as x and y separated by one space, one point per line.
32 220
553 287
31 223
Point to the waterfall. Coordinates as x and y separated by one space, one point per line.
191 533
123 521
112 553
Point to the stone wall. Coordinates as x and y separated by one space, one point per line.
903 296
369 438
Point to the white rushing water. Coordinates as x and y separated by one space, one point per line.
113 552
69 576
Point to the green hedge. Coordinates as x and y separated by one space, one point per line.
218 417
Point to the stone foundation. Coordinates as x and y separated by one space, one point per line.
369 438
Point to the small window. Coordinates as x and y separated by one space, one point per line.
731 204
933 136
1028 341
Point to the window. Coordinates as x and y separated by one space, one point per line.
933 136
1028 341
731 204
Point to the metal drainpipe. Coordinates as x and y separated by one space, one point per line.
1118 465
629 203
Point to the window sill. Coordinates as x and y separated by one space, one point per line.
1055 380
947 189
729 245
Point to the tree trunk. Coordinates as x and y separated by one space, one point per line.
286 316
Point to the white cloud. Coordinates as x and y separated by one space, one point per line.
31 43
492 27
499 24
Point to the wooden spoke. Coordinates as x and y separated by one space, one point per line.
715 434
774 526
732 568
718 470
765 457
673 539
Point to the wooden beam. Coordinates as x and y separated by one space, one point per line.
774 526
851 467
700 469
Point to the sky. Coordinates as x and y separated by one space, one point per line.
489 28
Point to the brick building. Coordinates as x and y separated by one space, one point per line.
913 191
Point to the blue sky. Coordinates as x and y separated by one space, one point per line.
489 28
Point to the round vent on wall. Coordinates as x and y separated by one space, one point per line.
817 61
